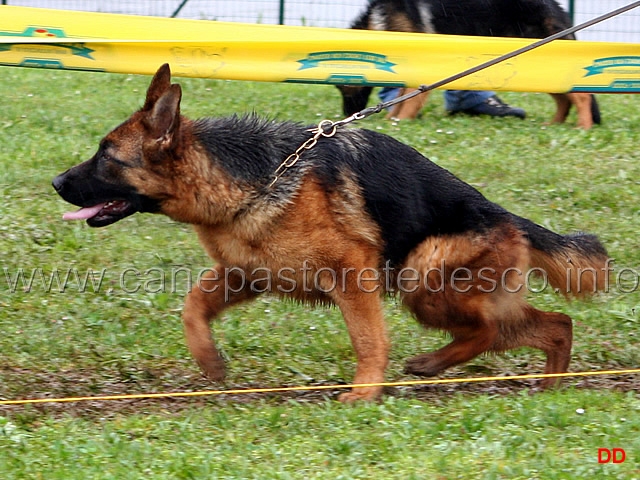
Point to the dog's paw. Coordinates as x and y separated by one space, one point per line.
215 369
216 376
548 383
366 394
425 365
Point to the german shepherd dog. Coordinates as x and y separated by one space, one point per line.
358 215
489 18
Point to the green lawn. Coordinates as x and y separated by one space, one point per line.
116 328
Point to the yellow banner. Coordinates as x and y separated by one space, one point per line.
33 37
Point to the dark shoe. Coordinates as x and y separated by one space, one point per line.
495 107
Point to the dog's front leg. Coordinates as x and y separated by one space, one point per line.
409 109
365 322
218 289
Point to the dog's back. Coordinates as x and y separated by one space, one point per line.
491 18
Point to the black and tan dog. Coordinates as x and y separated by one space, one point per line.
489 18
358 215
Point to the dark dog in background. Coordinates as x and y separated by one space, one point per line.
491 18
358 215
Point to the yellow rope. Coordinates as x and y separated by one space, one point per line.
312 387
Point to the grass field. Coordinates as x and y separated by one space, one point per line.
109 322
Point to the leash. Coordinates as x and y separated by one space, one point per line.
292 159
328 128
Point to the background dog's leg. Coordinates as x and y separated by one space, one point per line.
395 110
365 322
217 290
409 109
563 105
582 101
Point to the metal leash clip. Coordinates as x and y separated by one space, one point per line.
326 128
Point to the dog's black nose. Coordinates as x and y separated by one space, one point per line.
58 183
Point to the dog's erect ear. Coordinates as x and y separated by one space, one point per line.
164 117
159 84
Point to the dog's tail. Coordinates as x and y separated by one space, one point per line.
575 265
595 110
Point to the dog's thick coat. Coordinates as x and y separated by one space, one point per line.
489 18
360 213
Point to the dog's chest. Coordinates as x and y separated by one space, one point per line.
229 248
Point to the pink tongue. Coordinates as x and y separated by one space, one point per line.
83 213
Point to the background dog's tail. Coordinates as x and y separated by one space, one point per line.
576 265
595 111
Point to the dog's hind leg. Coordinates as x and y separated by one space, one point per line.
466 345
218 289
472 335
583 101
563 105
468 285
550 332
584 107
514 326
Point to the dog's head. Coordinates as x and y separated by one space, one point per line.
131 171
354 98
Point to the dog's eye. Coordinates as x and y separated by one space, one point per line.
109 159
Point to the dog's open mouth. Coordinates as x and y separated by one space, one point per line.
102 214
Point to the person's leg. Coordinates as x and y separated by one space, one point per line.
387 94
459 100
479 102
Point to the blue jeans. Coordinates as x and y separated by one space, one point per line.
455 100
